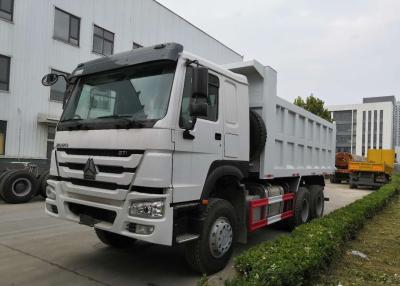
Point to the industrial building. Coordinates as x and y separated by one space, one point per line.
38 37
360 127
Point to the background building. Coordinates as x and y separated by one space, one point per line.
360 127
42 36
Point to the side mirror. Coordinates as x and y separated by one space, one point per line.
198 103
200 82
198 108
49 79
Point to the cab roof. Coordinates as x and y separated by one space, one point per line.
168 51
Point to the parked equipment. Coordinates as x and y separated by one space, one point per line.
157 144
342 172
375 172
21 183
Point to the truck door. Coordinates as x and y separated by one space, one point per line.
196 149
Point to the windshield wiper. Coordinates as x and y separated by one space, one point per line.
77 123
71 119
127 118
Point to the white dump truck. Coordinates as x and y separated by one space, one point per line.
160 145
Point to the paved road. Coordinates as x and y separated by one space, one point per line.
39 250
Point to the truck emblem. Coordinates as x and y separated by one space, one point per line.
90 170
122 153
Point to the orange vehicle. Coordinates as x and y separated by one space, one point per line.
375 172
342 161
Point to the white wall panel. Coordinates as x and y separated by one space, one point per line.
29 41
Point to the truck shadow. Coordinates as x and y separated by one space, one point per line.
148 264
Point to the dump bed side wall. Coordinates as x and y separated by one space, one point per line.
299 143
385 156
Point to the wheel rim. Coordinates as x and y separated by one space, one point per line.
304 210
319 206
221 237
21 187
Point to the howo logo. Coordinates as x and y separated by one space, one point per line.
90 170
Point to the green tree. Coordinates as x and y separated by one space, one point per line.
314 105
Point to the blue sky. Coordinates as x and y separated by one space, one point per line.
341 51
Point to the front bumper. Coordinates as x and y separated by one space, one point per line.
163 227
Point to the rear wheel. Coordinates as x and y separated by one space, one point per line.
18 187
301 209
212 251
114 239
317 201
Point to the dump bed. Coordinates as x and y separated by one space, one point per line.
378 160
298 142
370 167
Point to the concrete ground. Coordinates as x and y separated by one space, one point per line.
39 250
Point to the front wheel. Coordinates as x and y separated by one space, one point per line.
114 239
212 251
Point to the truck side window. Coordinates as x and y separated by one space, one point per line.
185 120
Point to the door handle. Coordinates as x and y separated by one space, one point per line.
218 136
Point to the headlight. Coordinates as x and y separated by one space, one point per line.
50 192
147 209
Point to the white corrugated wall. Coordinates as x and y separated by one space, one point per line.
33 51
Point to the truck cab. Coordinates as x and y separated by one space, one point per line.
154 145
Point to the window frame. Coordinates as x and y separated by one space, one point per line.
68 41
5 137
52 70
215 84
8 12
8 74
102 37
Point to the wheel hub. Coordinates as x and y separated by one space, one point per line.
221 237
21 187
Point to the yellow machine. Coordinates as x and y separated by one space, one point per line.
375 172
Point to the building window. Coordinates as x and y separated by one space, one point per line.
4 73
375 128
380 128
7 9
136 46
363 133
51 133
369 130
3 131
58 89
66 27
103 41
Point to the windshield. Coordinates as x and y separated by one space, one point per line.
138 93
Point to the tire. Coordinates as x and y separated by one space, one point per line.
301 209
353 186
317 201
218 222
43 184
114 239
2 175
258 135
18 186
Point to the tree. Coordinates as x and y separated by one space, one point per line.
314 105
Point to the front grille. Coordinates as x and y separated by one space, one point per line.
100 152
102 168
96 213
95 184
